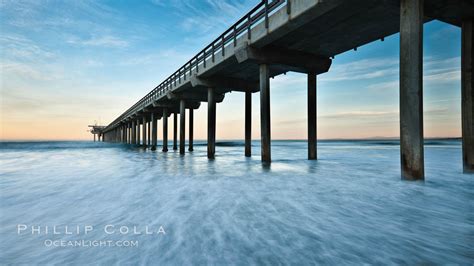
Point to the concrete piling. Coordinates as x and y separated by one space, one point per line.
165 130
154 131
182 126
312 111
144 132
148 127
175 131
411 89
265 113
134 132
248 124
124 133
138 132
191 129
211 123
467 94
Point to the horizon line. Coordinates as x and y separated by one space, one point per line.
171 141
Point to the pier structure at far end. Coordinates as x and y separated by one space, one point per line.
97 130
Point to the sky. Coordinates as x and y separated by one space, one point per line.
68 64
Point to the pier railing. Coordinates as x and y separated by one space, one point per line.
243 26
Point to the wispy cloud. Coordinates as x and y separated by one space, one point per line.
207 15
16 70
435 72
100 41
363 69
360 114
21 48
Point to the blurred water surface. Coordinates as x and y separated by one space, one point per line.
350 206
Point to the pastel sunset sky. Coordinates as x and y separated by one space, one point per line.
67 64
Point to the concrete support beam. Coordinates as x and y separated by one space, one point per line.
296 60
265 113
154 131
134 132
193 96
191 130
248 124
228 83
144 132
94 137
312 110
162 105
467 95
211 123
182 126
411 89
175 131
165 129
172 104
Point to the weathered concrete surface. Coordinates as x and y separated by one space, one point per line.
134 132
165 129
248 124
175 131
144 129
411 89
154 131
467 95
265 113
211 123
138 127
312 152
191 130
182 126
148 127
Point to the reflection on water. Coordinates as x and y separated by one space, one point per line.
350 206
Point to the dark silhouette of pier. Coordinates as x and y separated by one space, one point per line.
302 35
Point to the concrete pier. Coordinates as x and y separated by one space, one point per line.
175 131
467 95
411 89
165 130
211 123
277 37
182 126
191 130
248 124
312 111
265 113
154 131
144 132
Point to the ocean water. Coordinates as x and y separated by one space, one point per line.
349 207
